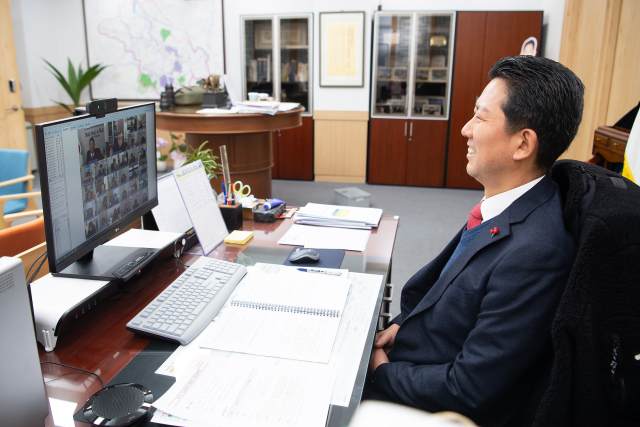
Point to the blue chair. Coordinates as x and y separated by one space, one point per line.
15 183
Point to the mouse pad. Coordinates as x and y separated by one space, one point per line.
329 258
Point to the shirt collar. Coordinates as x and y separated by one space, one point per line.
494 206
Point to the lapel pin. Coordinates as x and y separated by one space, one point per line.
494 231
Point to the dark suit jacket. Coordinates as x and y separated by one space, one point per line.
97 156
472 340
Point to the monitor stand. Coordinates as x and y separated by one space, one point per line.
110 263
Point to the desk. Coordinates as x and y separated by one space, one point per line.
102 344
248 138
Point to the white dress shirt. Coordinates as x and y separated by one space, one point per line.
494 206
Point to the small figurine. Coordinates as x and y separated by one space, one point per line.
211 83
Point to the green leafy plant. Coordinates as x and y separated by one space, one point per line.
75 82
207 157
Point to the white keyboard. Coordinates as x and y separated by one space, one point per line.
190 303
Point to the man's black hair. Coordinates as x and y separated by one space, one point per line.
542 95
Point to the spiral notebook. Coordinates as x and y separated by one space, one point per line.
289 314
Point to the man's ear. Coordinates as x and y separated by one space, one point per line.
527 147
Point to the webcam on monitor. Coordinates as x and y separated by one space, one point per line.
98 108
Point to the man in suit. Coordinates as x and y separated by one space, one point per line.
101 171
94 154
475 323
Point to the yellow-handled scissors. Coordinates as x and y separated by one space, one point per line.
241 191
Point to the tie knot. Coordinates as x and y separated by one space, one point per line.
475 218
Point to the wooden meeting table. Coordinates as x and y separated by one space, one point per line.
248 138
101 343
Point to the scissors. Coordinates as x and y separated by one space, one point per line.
242 191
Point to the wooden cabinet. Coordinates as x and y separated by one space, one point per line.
407 152
293 152
481 39
418 156
277 60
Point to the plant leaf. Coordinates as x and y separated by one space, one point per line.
73 83
58 75
91 74
66 107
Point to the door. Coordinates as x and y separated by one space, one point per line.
467 86
505 32
502 34
293 151
12 129
426 152
388 151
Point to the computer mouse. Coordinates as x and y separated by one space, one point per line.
304 255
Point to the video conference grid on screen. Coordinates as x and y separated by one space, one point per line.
114 175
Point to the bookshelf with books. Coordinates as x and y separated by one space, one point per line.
278 60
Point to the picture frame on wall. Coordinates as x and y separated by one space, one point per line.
263 36
342 49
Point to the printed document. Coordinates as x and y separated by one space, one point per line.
202 207
326 238
339 216
292 314
171 214
347 348
233 393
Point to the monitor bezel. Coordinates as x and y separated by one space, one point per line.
109 232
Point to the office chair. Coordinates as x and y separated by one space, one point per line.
15 240
15 183
593 376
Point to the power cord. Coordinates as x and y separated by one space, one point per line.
38 269
34 262
72 367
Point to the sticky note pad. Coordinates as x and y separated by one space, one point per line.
239 237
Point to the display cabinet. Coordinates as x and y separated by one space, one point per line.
278 61
278 49
413 55
411 89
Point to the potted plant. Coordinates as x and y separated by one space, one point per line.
75 82
208 160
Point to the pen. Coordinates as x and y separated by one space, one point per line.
317 270
225 192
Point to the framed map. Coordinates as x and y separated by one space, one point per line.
147 44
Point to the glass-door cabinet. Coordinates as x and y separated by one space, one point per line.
412 64
277 60
278 49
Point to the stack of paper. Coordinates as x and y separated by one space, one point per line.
350 341
288 106
261 107
326 238
338 216
238 237
231 393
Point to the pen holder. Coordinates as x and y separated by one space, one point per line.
232 215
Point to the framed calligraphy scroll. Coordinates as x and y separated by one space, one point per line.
342 49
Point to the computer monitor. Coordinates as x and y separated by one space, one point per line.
97 175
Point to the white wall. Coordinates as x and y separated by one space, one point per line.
55 30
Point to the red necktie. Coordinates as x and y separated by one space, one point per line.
475 218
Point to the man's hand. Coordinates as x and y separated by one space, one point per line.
382 346
378 357
384 339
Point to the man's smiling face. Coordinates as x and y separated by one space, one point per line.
490 147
